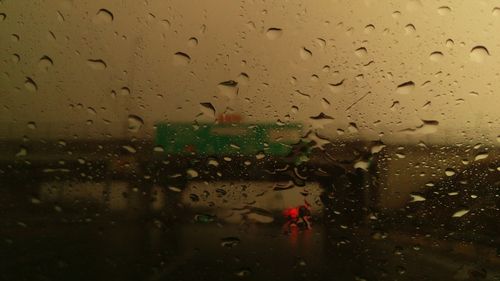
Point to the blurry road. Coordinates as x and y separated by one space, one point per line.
154 250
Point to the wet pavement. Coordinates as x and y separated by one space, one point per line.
152 249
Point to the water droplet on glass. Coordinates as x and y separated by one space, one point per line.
103 16
243 272
96 64
369 28
337 87
243 78
45 63
444 10
479 54
362 164
91 111
301 262
31 125
213 162
353 128
228 88
481 156
192 42
450 172
460 213
165 23
192 173
194 197
15 37
436 56
124 91
129 149
3 16
322 116
274 33
496 11
174 189
410 28
405 88
320 42
16 58
181 59
23 151
207 109
449 43
416 198
377 148
135 123
361 52
158 148
230 242
60 16
30 85
305 53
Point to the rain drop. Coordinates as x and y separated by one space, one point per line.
322 116
230 242
353 128
460 213
243 272
22 152
305 53
496 11
228 88
361 52
181 59
481 156
45 63
31 125
208 109
449 43
405 88
369 28
436 56
450 172
479 54
444 10
60 16
124 91
192 42
30 85
158 149
410 28
16 58
274 33
337 87
416 198
96 64
3 16
243 78
191 173
135 123
361 164
103 16
129 149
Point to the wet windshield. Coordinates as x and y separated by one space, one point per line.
252 140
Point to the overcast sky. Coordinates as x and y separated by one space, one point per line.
399 71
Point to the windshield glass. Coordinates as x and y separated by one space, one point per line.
252 139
